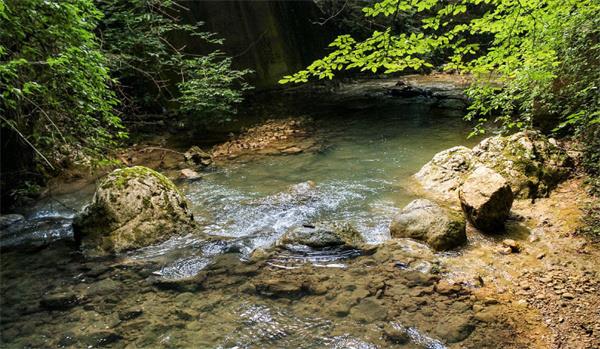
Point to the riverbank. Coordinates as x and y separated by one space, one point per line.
544 296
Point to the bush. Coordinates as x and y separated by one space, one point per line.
155 71
56 96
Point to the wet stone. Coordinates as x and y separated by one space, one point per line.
189 174
60 301
322 235
512 244
100 339
396 334
130 314
445 287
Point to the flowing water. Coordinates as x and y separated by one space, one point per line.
361 176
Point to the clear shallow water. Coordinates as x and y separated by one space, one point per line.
361 176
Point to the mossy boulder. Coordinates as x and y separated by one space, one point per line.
132 208
532 164
423 220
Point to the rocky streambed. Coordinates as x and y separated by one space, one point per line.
293 248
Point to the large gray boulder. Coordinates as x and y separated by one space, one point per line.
486 199
532 164
441 177
423 220
132 208
322 235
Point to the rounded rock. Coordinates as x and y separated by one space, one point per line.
424 220
132 208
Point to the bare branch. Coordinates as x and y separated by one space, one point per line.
27 141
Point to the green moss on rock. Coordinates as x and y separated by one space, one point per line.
132 208
531 163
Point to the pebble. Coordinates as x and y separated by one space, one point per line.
568 295
490 301
505 250
540 256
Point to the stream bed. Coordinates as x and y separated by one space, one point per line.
193 293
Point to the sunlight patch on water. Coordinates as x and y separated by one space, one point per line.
262 326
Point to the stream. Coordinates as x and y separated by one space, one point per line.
360 175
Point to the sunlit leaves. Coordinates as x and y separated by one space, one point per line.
522 45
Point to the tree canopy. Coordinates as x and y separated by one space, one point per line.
531 60
70 70
54 78
155 70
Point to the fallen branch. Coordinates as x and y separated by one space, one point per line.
162 149
27 141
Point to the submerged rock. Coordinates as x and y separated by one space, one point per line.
441 177
132 208
396 334
280 288
486 199
100 339
59 301
6 220
369 310
35 232
456 328
424 220
322 235
297 194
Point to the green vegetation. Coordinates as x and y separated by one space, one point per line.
154 69
54 79
534 63
72 70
